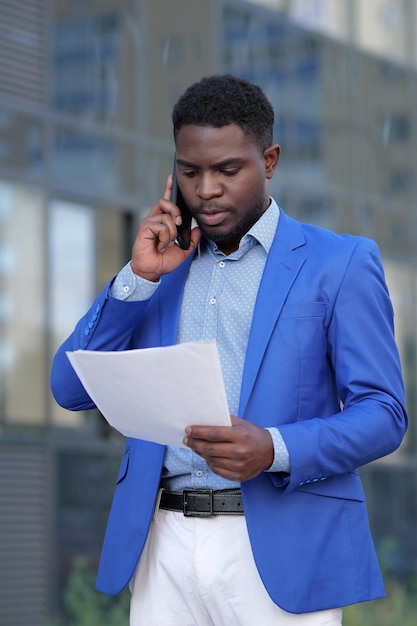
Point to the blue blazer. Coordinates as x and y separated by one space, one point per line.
322 366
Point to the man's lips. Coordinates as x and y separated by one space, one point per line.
211 218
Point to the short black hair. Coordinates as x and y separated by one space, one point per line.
224 99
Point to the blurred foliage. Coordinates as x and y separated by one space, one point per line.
399 608
84 606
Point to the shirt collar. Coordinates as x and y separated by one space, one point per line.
265 228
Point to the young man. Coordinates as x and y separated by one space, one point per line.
263 522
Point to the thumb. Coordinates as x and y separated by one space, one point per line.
194 240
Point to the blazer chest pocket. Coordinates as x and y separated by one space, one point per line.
302 329
303 310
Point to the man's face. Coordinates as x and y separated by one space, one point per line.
223 177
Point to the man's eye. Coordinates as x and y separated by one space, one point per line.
230 172
188 173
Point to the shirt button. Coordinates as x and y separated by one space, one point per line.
199 473
222 264
212 300
126 289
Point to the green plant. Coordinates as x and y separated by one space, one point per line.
84 606
399 608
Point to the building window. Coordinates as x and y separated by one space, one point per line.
22 313
400 181
72 271
396 128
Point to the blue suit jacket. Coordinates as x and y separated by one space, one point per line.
321 340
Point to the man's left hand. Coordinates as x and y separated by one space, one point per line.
237 453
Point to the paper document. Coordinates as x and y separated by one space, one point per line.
154 393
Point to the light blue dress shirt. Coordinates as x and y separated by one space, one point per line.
218 303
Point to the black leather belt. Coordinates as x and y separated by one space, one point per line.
203 502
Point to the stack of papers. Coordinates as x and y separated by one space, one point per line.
154 393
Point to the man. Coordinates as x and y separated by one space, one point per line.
263 522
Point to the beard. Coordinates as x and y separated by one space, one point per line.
233 236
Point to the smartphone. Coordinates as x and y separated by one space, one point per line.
183 231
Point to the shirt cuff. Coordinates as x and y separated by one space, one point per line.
131 287
281 462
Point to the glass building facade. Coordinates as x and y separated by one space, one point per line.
86 91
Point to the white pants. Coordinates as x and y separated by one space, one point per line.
201 572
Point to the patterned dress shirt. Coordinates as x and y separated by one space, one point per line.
218 304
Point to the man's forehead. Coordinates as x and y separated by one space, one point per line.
227 140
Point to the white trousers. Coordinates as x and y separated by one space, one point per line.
201 572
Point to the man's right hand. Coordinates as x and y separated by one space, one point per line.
154 250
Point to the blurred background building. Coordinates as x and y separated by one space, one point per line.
86 92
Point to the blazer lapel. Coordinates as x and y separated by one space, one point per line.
281 269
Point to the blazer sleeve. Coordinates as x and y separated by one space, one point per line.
107 325
367 375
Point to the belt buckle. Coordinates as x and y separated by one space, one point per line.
202 497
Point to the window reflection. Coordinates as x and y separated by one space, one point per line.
95 164
22 140
87 52
88 159
71 256
402 282
22 313
86 247
72 272
94 53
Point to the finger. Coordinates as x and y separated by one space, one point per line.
161 228
195 238
165 207
209 449
202 431
210 433
168 188
228 469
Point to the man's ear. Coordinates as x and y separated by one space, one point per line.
271 158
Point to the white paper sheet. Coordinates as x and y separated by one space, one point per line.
154 393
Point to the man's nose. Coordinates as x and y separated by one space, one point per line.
209 186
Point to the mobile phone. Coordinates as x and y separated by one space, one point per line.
184 230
